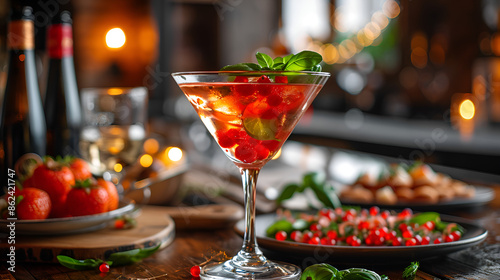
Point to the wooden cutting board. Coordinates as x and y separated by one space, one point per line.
154 226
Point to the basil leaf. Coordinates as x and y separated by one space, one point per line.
264 60
316 68
284 225
304 60
359 274
242 67
131 256
411 271
278 60
422 218
321 271
287 193
287 58
78 264
327 196
278 66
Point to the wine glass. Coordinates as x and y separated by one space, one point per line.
114 128
250 114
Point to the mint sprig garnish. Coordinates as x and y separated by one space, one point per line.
303 61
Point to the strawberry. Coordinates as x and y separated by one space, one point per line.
56 180
112 193
87 198
80 169
34 204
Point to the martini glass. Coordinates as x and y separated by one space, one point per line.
250 115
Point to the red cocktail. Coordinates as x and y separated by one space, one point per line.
250 114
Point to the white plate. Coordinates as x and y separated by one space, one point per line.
71 225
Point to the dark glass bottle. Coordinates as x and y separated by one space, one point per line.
62 103
23 130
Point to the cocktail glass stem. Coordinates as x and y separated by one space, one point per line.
250 258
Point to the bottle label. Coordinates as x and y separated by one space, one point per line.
60 40
20 35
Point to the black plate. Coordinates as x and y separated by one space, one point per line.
382 254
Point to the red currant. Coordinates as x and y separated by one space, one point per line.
245 153
315 227
241 79
374 210
274 100
332 234
281 79
315 240
406 213
456 235
104 267
280 235
449 238
425 240
411 242
429 225
195 271
385 214
263 79
296 235
397 241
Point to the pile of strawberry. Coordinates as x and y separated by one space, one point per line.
62 188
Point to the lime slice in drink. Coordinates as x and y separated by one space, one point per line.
260 129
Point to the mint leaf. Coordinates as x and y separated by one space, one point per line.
242 67
265 61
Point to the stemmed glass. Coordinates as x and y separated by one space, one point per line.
250 114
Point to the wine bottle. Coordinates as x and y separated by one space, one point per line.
23 130
62 103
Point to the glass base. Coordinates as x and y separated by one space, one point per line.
272 270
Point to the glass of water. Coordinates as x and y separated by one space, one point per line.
114 129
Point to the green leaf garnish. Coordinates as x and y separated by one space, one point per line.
411 271
115 259
265 61
128 257
303 61
316 181
242 67
321 271
78 264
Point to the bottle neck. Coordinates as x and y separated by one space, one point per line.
20 35
60 41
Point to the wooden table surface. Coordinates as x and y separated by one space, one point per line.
195 246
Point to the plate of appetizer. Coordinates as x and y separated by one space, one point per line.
417 186
360 235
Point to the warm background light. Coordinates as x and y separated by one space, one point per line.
146 160
151 146
115 38
467 109
174 153
118 167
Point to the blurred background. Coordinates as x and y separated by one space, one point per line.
414 80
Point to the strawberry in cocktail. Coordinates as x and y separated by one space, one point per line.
250 110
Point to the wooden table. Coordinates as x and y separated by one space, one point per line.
193 246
